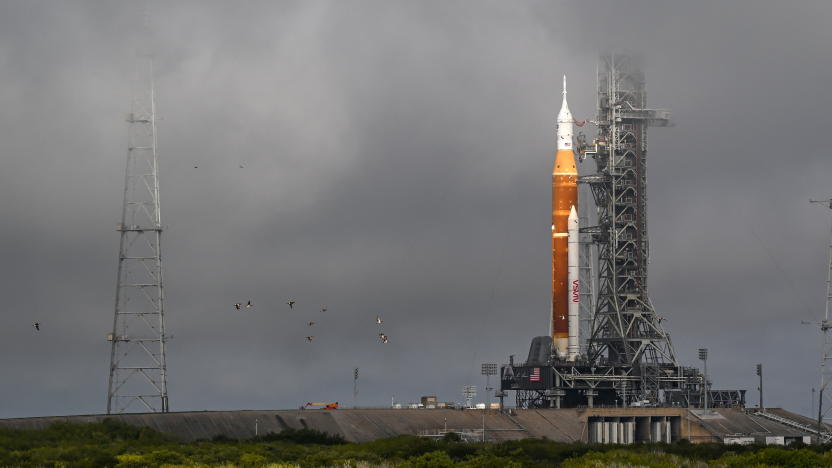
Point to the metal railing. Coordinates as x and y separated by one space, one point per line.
824 436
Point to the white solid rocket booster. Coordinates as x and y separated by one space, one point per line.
573 286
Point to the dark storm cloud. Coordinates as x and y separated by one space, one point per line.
397 160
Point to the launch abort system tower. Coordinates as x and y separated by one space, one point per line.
629 358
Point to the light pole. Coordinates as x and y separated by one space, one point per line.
488 369
760 388
703 356
355 388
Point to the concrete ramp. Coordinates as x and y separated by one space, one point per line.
355 425
362 425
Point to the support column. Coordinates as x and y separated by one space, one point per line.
590 397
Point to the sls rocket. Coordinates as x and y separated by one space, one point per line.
565 293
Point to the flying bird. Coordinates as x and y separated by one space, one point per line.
323 309
311 324
37 326
248 304
309 338
291 304
237 306
379 320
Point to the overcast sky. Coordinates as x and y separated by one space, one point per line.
397 162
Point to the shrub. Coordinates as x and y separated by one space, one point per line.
626 459
251 460
436 459
131 460
490 461
800 458
451 437
165 457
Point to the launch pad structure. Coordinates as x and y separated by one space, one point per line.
629 359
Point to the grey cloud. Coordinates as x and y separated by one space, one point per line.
397 160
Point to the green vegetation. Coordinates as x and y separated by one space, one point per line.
111 444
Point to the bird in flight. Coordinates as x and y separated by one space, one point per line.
237 306
309 338
37 326
323 309
291 304
311 324
248 304
379 320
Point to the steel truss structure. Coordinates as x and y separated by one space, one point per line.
725 398
138 372
587 280
626 332
580 384
629 358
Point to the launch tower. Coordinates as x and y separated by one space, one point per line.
626 331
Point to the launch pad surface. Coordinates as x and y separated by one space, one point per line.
584 384
627 425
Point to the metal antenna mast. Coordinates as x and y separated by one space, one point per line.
825 325
138 373
626 332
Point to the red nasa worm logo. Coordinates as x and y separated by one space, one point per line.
576 291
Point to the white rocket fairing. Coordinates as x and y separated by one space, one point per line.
574 285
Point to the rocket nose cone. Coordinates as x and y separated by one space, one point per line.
573 214
564 116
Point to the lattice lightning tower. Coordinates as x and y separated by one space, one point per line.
138 377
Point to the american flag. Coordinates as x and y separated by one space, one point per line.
535 377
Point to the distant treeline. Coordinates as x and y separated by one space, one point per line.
111 443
